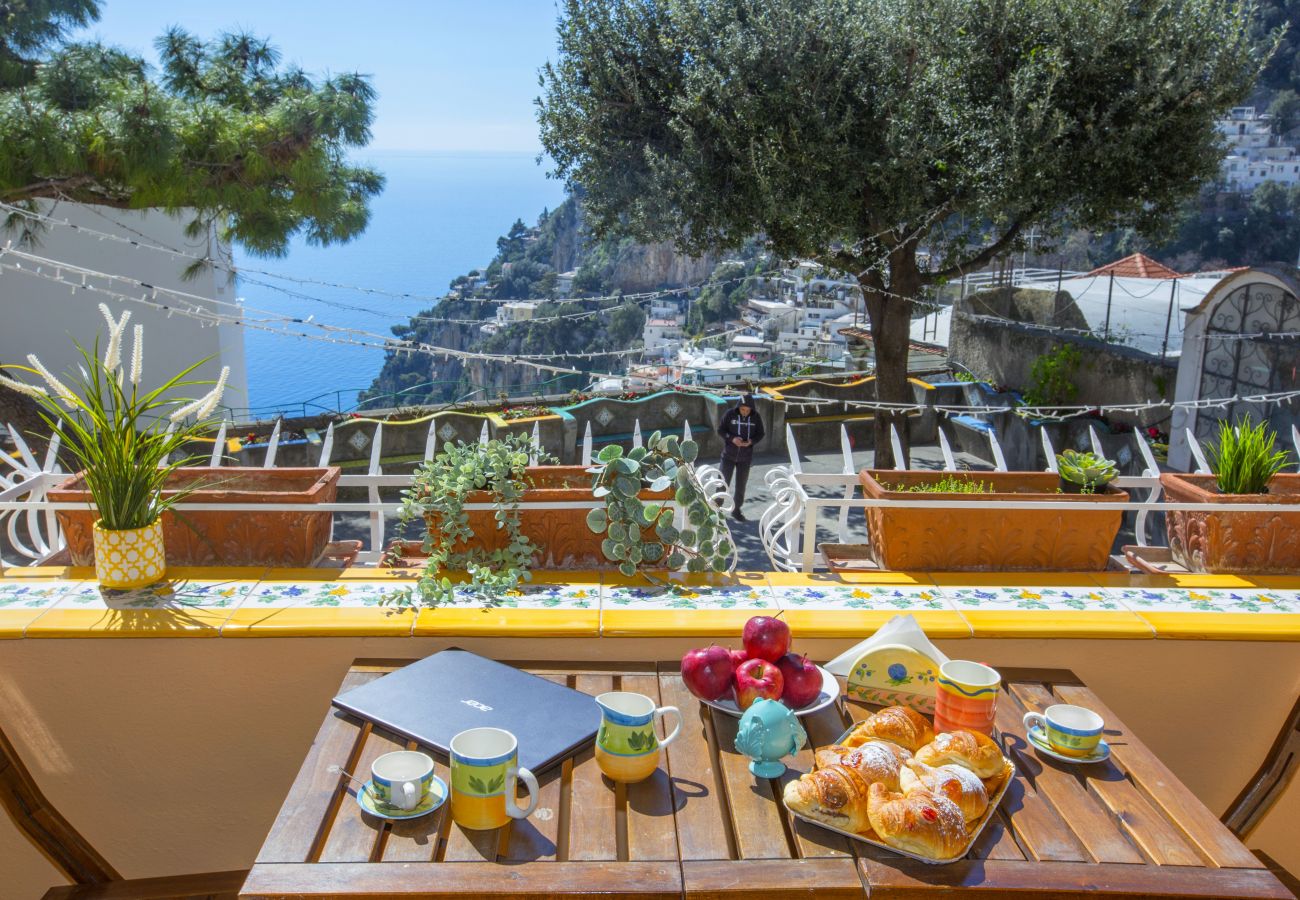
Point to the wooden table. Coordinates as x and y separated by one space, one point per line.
704 827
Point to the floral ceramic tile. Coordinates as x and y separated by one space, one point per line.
17 595
323 594
679 596
167 595
1080 599
542 596
1221 600
859 597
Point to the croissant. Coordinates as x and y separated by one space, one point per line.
921 823
874 760
905 727
977 752
836 796
958 784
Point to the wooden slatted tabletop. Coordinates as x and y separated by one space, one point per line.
703 827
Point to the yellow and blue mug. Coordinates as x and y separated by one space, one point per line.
1069 730
485 776
401 779
627 747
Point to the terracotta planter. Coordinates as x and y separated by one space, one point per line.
989 540
562 535
1254 542
221 537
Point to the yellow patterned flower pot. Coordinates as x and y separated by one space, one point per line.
130 558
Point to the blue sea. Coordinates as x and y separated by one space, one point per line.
438 217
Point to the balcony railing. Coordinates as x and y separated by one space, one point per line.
32 527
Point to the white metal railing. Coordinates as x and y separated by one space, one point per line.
25 485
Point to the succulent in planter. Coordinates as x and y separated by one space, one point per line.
640 533
1084 473
1243 458
438 493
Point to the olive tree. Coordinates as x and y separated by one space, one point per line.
221 128
904 142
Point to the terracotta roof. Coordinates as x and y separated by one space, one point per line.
1139 265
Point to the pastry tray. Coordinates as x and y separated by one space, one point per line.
973 831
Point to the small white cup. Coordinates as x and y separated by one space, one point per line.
402 778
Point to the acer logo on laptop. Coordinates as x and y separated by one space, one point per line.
479 706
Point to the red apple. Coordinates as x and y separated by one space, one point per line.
707 672
766 638
757 679
801 678
737 657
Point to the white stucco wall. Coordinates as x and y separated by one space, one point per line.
46 318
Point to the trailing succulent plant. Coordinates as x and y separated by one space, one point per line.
640 533
438 493
1243 458
1086 469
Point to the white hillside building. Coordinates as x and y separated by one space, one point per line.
45 311
1254 154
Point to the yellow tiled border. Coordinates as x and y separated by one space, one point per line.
64 620
15 622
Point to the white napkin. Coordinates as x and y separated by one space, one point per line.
902 629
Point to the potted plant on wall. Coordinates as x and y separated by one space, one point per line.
639 530
124 439
489 546
1247 469
963 536
1084 473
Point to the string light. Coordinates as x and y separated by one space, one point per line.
207 318
242 271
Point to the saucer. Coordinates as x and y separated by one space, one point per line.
435 798
1036 737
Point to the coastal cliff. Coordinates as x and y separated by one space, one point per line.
528 266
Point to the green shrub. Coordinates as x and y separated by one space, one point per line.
1243 457
1053 377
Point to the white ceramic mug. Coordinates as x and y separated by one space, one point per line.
402 779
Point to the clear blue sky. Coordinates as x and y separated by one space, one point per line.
451 74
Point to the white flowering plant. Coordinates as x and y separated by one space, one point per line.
128 442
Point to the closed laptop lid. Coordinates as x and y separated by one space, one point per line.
436 698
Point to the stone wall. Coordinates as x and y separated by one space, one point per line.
1003 353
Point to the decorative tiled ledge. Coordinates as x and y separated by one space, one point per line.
232 603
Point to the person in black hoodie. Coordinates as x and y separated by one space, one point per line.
741 428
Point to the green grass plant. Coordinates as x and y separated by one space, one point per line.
1243 458
948 484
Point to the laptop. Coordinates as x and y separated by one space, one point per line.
433 700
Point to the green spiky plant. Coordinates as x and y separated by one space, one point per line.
127 441
1243 458
664 463
1088 470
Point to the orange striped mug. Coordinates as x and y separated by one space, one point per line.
967 697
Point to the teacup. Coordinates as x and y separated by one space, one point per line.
1069 730
967 697
401 779
627 748
485 776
